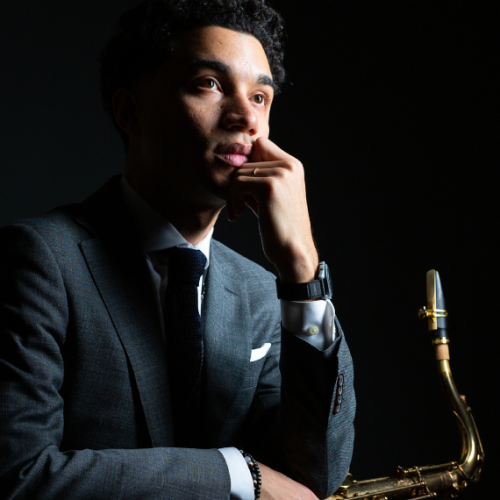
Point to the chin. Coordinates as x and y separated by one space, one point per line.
220 183
220 194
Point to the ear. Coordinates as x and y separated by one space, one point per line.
124 109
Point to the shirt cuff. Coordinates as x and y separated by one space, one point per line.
241 478
312 321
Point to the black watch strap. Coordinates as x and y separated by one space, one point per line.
320 288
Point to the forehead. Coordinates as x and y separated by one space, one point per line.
241 52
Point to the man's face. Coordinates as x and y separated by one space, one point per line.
201 112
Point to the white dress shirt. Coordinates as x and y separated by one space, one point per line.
311 321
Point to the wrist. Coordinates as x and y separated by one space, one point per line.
300 269
318 288
255 471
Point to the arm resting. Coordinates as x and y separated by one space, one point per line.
34 317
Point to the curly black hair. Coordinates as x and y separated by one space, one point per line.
146 34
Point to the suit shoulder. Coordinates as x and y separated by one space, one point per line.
55 228
241 264
259 282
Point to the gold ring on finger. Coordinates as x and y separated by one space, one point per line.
255 172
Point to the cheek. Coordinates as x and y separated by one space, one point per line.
202 121
180 121
263 127
200 116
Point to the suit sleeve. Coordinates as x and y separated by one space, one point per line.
34 315
308 393
317 412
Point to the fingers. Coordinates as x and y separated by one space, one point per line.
266 150
249 190
260 170
258 181
236 206
271 168
277 486
248 187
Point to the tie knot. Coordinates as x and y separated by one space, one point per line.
185 265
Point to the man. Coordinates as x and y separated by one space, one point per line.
105 391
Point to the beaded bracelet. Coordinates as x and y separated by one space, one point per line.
255 471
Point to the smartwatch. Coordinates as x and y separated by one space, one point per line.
320 288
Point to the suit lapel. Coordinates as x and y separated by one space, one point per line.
118 266
226 320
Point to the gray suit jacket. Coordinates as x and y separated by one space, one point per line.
84 391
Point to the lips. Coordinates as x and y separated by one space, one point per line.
235 154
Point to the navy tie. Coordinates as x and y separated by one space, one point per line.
184 341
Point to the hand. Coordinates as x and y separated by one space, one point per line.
272 185
276 486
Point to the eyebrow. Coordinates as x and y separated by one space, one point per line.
265 80
224 68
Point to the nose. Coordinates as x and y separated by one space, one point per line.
240 116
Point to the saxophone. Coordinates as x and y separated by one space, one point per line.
447 479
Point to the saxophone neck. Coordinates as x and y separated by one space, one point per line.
472 456
450 478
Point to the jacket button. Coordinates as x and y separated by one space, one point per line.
337 408
338 396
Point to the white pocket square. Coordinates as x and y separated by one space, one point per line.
260 352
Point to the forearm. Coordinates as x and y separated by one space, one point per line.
155 473
37 408
317 433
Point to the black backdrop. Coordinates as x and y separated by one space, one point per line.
389 107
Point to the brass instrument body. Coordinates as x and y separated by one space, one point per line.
416 482
430 481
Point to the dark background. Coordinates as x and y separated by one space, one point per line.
390 108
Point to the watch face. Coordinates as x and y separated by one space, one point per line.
327 282
320 288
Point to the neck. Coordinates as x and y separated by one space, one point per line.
193 220
193 226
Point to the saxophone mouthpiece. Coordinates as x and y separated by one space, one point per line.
435 312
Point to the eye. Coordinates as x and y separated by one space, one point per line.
259 99
208 83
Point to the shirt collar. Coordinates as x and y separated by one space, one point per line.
155 232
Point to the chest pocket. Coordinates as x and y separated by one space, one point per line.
257 360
